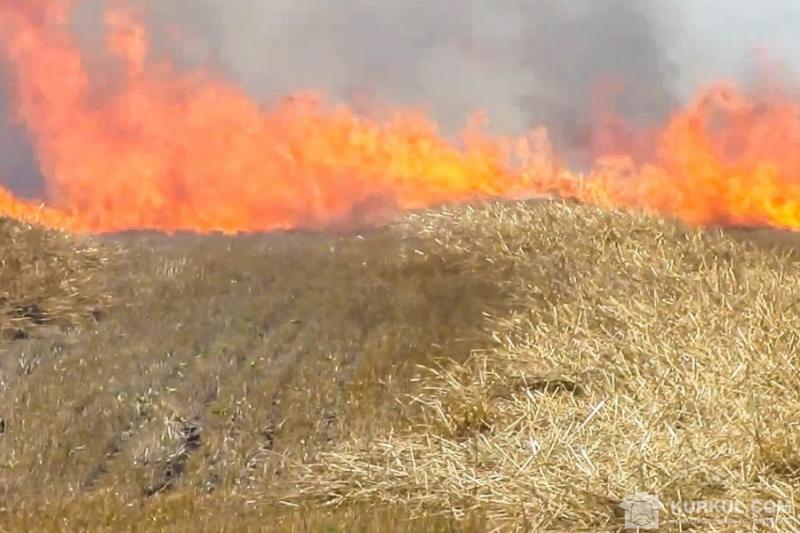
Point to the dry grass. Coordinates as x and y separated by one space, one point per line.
224 360
521 366
47 278
639 356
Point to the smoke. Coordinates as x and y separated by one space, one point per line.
18 168
524 63
594 57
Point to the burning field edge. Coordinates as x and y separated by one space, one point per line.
520 365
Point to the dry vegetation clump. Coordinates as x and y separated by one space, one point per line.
639 356
47 278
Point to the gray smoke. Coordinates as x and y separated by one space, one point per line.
18 168
525 62
522 62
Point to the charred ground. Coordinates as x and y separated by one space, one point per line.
273 381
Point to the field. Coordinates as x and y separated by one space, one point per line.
520 366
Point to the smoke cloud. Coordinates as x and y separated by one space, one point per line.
18 168
524 63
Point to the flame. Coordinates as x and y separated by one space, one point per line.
152 147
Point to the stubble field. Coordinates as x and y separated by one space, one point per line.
522 366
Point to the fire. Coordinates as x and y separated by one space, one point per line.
153 147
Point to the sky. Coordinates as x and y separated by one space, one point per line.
524 62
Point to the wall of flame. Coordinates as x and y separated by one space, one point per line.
152 146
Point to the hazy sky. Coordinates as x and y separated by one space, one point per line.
525 62
721 36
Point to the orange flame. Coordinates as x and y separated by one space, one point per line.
156 148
